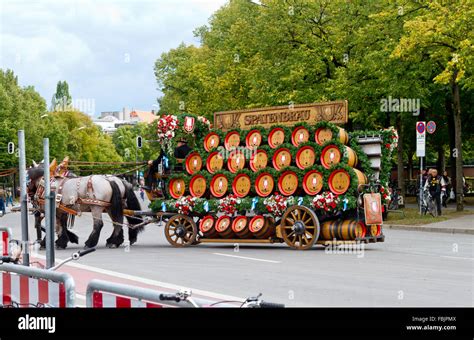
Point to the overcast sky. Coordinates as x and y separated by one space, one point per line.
104 49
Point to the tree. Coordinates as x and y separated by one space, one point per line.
444 33
61 99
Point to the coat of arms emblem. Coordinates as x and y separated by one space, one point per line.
189 123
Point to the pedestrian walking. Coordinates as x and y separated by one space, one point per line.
446 192
434 184
9 197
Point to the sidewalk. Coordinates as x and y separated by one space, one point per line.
459 225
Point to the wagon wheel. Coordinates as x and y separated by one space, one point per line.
180 231
299 227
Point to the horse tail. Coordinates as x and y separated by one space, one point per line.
116 209
132 204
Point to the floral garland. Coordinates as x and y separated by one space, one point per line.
385 195
185 204
205 121
392 142
166 130
277 204
326 201
229 204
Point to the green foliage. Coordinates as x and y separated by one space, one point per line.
61 99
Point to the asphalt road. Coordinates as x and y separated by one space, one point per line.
410 269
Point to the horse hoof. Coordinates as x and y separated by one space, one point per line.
60 248
112 245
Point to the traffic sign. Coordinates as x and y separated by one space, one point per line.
420 139
431 127
11 148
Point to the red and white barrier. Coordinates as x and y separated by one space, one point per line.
106 300
5 235
26 291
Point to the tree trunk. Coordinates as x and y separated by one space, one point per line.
400 170
441 159
458 143
452 145
410 165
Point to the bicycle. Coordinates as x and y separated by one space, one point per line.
428 204
251 302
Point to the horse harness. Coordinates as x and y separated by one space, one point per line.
89 200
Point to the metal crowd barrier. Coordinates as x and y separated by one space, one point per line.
22 286
104 294
5 237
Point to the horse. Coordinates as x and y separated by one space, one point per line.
95 194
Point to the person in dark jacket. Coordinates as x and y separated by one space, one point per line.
435 184
180 153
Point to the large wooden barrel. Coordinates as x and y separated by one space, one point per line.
253 139
206 226
299 135
322 135
193 163
312 182
258 160
288 183
176 187
262 227
241 185
276 137
197 186
264 184
375 230
236 161
305 157
211 141
339 180
219 185
281 158
331 155
214 162
232 140
346 230
224 227
240 227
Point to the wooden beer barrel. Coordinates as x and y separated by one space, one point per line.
211 141
305 157
322 135
253 139
262 227
299 135
219 185
206 226
331 155
232 140
236 161
264 184
288 183
339 180
241 185
276 137
312 182
197 186
258 160
375 230
176 187
224 227
214 162
240 227
346 230
193 163
281 158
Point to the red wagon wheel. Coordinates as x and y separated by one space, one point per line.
181 231
300 227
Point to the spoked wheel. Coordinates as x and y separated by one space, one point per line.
300 227
180 231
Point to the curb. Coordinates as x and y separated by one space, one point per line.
427 228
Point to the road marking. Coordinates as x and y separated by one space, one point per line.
247 258
171 286
459 258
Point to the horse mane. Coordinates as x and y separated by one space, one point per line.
35 173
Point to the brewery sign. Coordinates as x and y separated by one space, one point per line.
335 112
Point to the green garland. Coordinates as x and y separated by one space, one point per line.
327 125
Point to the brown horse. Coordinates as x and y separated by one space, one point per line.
96 194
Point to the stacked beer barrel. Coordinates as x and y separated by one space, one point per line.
296 161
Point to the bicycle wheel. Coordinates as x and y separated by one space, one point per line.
432 208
